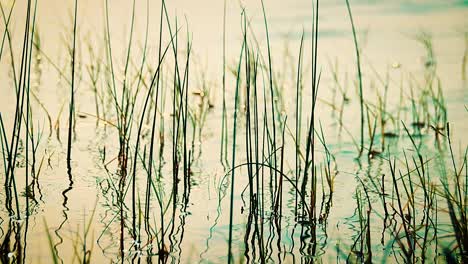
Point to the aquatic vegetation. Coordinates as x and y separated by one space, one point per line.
360 162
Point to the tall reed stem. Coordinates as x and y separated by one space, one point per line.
72 93
358 63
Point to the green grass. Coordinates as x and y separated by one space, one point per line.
285 171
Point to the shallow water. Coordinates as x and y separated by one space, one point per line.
196 228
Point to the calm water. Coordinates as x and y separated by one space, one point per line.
196 229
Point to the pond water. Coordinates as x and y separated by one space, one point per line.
413 59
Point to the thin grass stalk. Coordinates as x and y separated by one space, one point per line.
16 131
153 126
310 141
248 134
408 254
358 64
224 131
113 87
259 201
72 92
236 101
137 145
29 132
125 89
6 33
298 118
457 206
272 94
315 82
186 158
